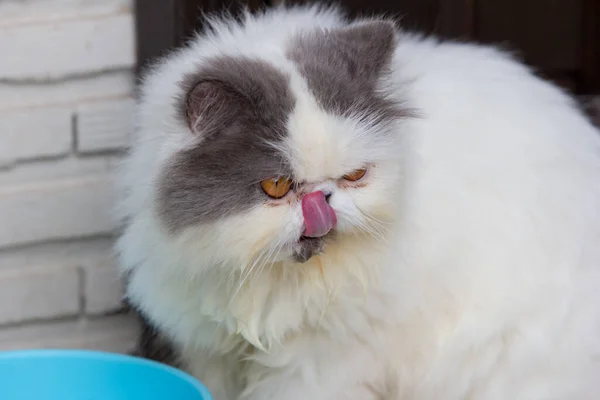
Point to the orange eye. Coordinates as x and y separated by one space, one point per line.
355 175
276 187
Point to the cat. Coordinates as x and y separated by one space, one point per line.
325 208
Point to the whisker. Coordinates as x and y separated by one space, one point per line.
244 278
371 231
377 222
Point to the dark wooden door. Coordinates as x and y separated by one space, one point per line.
559 38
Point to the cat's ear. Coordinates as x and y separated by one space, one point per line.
363 48
209 105
359 51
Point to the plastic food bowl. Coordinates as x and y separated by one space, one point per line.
89 375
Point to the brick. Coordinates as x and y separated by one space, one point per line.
69 47
105 125
103 289
117 333
114 84
42 292
60 169
82 252
68 208
35 133
36 11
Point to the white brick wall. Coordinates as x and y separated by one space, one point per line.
104 125
69 47
102 288
66 112
111 333
41 292
29 134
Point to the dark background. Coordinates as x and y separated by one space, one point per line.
559 38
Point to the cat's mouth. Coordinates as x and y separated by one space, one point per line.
307 247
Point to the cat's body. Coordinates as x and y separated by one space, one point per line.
465 264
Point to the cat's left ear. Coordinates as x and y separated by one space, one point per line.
208 106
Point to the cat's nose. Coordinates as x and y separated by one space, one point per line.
319 217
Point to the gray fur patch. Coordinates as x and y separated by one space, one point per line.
343 66
237 107
155 346
308 247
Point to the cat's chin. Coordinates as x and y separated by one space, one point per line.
307 247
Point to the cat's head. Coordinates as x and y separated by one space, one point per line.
283 162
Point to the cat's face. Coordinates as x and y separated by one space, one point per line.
282 165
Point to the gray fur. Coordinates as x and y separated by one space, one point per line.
308 247
244 105
152 344
343 66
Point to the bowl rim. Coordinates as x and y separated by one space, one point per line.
106 356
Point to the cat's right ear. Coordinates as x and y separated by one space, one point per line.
208 106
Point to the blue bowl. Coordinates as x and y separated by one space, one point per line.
89 375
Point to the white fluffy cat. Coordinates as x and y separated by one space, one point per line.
326 209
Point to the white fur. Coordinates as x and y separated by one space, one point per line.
468 267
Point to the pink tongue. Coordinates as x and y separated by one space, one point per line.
319 217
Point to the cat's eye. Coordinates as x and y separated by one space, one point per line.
276 187
355 175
